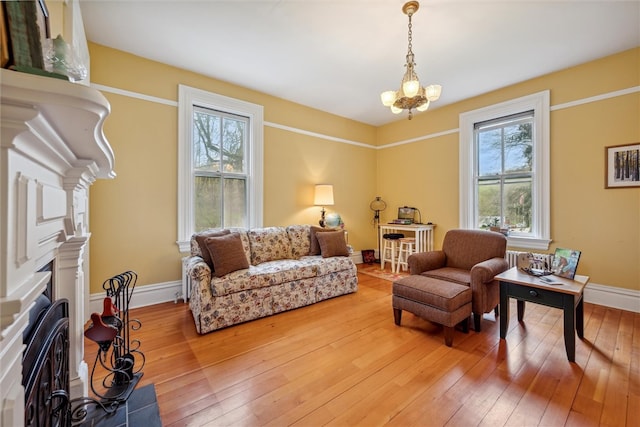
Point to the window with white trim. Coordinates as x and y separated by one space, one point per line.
504 170
219 163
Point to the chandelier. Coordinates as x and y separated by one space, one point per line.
410 95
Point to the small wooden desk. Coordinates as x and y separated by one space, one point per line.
568 296
423 233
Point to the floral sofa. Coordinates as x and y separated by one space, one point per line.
275 269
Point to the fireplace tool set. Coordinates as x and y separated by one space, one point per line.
119 361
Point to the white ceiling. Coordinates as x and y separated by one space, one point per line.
339 55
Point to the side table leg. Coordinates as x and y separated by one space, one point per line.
520 305
580 317
504 309
569 309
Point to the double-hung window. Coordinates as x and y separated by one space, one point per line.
504 170
220 163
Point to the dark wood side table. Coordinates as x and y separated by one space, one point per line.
564 293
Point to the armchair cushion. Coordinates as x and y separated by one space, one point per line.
456 275
466 248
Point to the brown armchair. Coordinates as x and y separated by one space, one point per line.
469 257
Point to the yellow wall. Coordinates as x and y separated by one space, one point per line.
603 223
134 217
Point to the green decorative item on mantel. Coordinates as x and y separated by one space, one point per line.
60 58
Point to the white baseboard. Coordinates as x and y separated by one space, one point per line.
608 296
143 296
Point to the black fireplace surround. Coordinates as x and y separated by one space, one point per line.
45 364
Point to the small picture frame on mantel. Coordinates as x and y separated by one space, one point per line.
622 166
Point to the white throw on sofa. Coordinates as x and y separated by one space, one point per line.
239 275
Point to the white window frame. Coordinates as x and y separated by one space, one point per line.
188 97
540 237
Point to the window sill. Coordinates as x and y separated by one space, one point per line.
528 242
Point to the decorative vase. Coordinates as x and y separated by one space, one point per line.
333 220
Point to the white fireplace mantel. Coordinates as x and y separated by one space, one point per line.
52 149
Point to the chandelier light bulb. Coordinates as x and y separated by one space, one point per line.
411 88
388 98
424 106
433 92
396 110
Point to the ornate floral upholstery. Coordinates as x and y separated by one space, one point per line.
281 276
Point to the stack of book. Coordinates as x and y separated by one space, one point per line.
402 221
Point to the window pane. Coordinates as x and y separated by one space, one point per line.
488 203
489 152
235 202
206 142
233 137
207 202
518 148
517 204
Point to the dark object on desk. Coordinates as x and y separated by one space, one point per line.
536 272
407 215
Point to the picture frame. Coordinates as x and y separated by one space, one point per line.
565 262
622 166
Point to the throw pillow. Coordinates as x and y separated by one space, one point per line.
332 243
227 253
314 248
200 238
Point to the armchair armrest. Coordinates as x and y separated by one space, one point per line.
425 261
485 271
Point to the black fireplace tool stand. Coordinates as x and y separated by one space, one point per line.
117 368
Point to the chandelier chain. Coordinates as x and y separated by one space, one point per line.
410 37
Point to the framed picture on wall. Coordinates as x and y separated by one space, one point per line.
622 166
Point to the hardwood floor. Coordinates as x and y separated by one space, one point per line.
344 362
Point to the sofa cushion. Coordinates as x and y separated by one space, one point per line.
269 244
332 243
299 238
314 245
227 253
267 274
201 249
326 266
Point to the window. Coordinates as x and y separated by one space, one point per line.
219 163
504 170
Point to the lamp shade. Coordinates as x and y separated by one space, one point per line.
323 195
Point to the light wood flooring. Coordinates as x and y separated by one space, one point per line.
344 362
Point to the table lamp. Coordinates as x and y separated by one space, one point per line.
323 197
